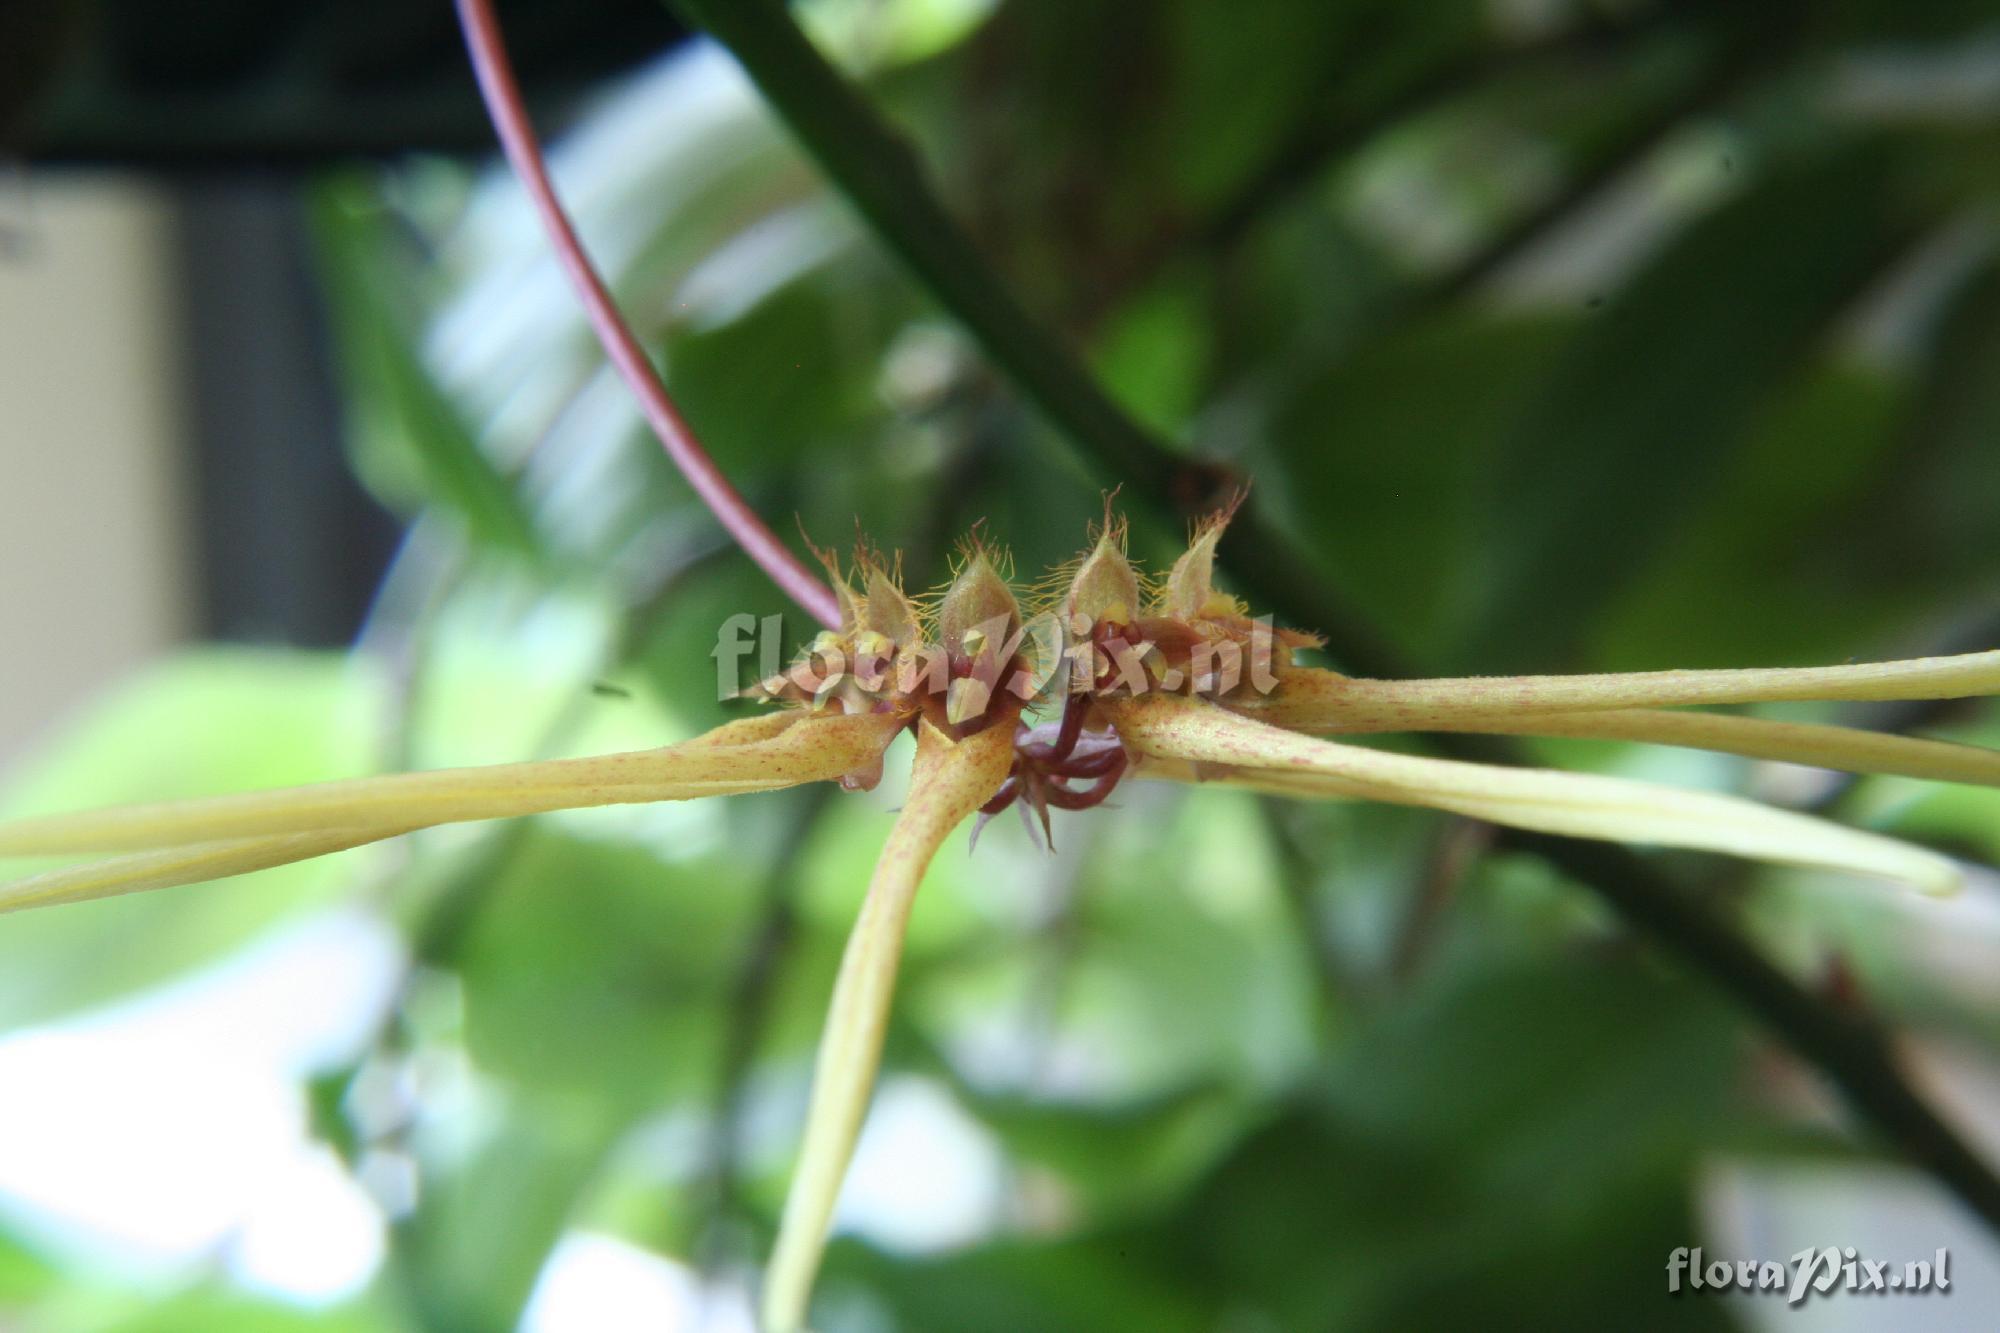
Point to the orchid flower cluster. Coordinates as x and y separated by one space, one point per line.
1104 677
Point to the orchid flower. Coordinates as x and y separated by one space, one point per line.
1173 680
1178 684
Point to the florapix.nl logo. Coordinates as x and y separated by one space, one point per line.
1030 658
1816 1271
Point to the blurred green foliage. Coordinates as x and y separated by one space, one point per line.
1563 335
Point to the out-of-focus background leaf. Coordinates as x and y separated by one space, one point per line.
1562 335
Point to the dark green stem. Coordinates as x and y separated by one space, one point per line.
879 173
881 176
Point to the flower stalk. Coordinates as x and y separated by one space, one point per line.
876 170
1119 715
1132 703
952 779
1226 746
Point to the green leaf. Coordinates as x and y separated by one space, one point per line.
1767 573
600 968
485 1226
1852 519
1241 77
407 440
1926 520
221 1311
205 723
1152 354
791 378
1382 460
1511 1144
1631 434
1116 1157
1012 1285
24 1276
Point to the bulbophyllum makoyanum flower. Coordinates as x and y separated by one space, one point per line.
1100 680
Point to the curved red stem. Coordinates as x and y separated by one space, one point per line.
1002 798
1094 765
1074 798
517 137
1075 705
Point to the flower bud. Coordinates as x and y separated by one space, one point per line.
1191 593
978 599
843 591
1105 588
888 612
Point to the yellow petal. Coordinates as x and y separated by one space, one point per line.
1848 749
951 781
1574 804
1106 588
1190 592
179 865
1326 701
757 754
743 731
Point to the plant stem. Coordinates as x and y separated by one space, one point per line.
517 137
1852 1050
882 179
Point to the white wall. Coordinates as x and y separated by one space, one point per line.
94 561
